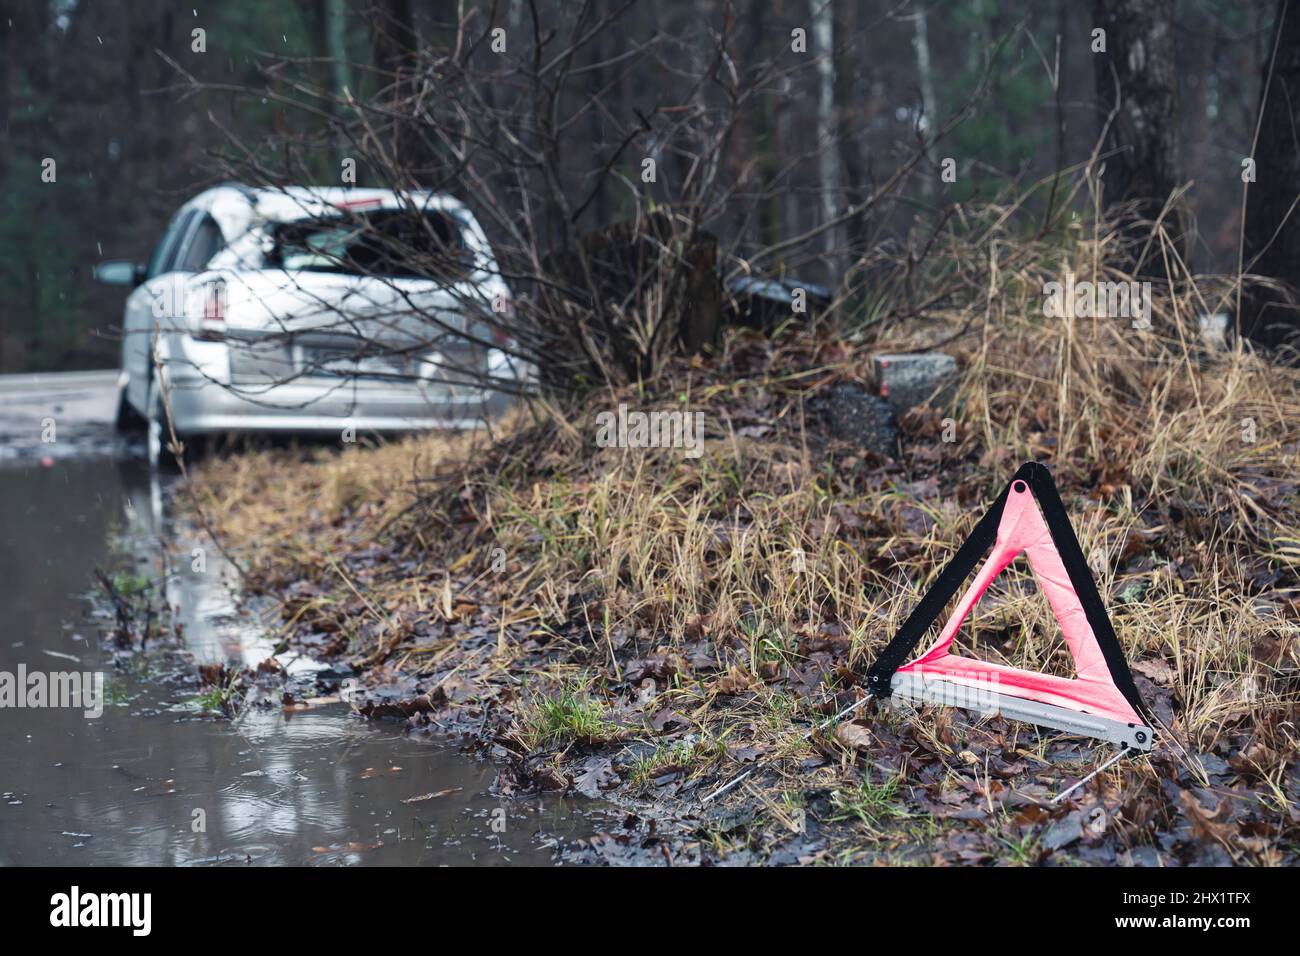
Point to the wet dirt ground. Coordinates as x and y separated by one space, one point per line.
152 781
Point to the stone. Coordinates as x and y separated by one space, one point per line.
908 379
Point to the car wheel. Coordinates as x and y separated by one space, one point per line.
127 419
158 432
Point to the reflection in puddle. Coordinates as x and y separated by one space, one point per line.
199 585
146 784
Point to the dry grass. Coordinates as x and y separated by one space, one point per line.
780 553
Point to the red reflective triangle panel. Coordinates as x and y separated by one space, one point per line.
1092 691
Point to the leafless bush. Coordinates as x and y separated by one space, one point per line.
615 255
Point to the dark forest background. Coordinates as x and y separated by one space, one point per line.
97 87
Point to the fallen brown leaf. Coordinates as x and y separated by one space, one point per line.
854 737
1206 826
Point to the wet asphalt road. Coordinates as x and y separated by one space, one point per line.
57 414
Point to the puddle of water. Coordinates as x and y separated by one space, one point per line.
132 786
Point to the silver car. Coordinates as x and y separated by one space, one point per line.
286 310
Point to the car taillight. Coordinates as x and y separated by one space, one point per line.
504 307
213 323
349 204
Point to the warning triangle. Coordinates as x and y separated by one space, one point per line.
1028 517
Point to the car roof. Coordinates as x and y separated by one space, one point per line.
236 207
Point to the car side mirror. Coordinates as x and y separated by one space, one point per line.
121 272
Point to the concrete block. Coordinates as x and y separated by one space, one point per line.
908 379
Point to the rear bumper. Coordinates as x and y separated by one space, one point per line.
202 407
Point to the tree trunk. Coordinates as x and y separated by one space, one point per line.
1144 166
1270 316
336 26
8 88
929 102
828 156
394 51
851 72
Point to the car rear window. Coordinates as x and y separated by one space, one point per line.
389 242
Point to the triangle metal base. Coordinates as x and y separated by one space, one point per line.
988 702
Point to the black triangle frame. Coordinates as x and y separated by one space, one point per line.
881 674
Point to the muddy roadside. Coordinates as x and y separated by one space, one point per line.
642 626
196 684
